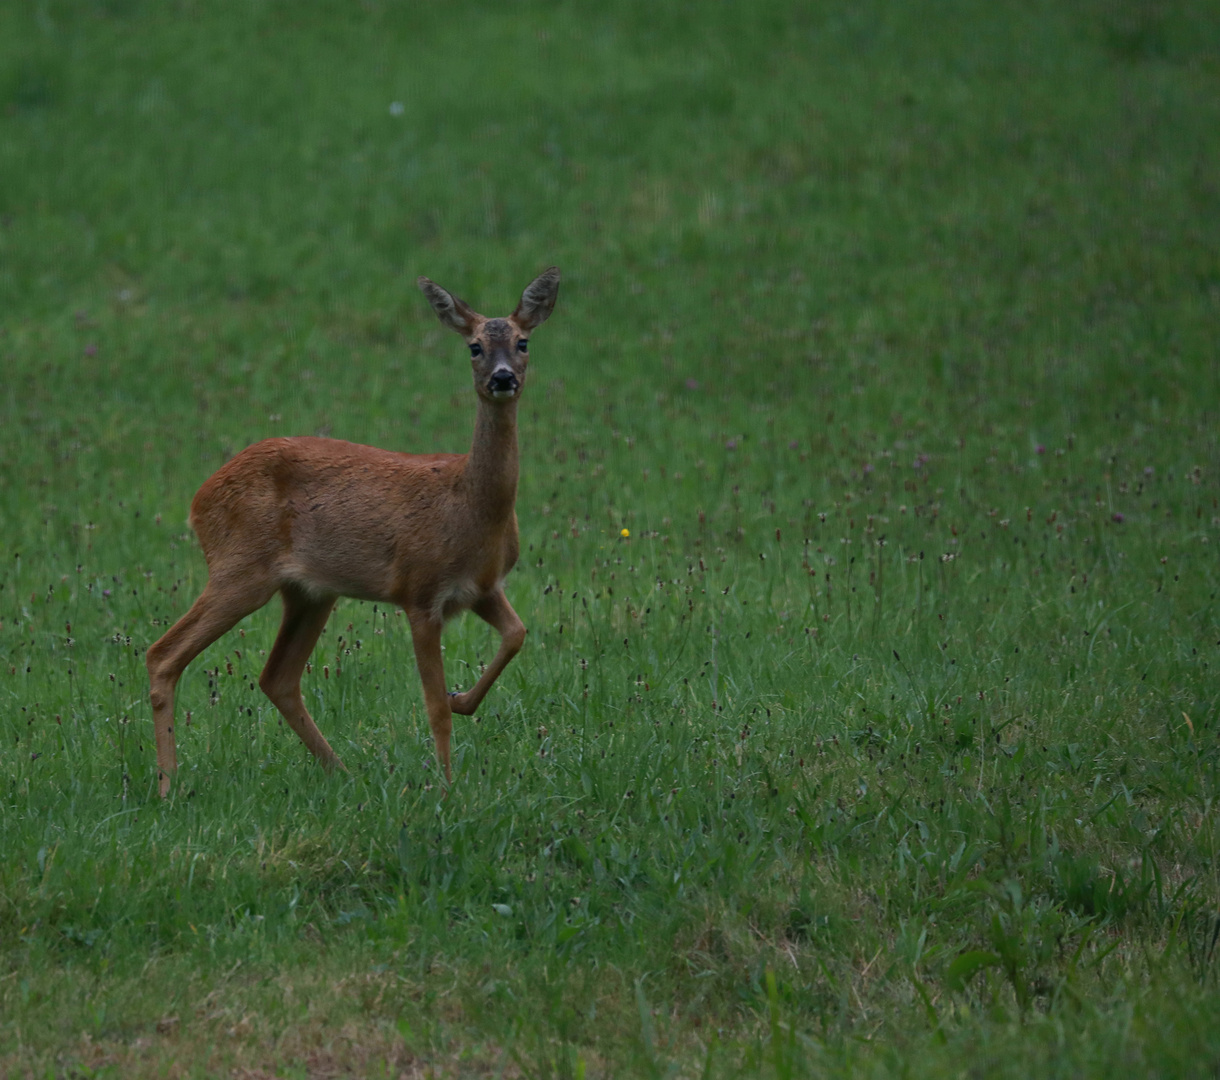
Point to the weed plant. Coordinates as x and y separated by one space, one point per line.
886 743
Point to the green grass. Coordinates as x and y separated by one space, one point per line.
886 745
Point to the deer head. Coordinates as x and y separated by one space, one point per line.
499 348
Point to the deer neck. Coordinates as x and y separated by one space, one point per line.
491 469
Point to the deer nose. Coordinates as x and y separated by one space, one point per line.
503 382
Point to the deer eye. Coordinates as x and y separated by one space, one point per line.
476 349
522 345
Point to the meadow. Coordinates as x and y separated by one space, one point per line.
887 741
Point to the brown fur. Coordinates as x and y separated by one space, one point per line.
315 519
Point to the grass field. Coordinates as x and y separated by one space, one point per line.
888 742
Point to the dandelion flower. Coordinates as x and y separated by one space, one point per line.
625 533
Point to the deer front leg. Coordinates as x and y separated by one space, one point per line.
426 636
495 610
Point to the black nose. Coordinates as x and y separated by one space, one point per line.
502 382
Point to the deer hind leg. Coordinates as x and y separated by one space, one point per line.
218 609
426 636
304 617
495 610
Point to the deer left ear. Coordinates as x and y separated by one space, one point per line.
454 313
538 300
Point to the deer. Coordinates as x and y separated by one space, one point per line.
315 519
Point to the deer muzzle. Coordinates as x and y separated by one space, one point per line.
503 383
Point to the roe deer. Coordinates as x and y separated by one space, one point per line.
315 519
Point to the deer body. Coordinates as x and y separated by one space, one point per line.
315 519
339 519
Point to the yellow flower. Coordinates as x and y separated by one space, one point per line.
625 533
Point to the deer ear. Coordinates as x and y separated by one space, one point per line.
454 313
538 300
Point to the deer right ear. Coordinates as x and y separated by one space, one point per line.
538 300
454 313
